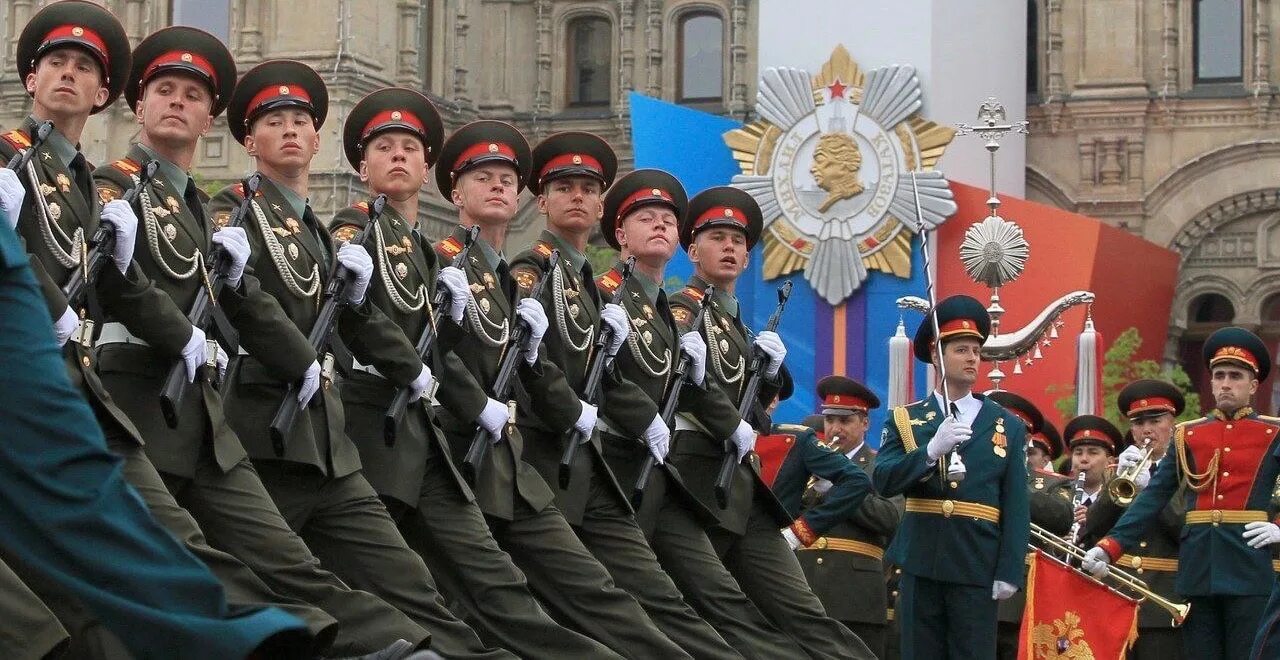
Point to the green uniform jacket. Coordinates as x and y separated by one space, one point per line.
850 585
647 361
1050 502
293 259
403 284
77 205
1213 559
958 549
697 453
469 374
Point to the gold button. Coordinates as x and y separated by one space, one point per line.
819 561
895 593
1226 474
1136 562
1226 449
821 544
1139 571
1142 544
1216 514
789 440
948 507
1219 514
897 571
955 484
1228 427
1269 431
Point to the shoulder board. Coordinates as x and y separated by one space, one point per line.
344 233
792 428
128 166
609 282
363 206
543 248
694 292
902 420
1269 419
239 188
449 247
17 139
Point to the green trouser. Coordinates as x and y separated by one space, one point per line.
30 630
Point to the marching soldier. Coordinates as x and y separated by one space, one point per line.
484 166
1050 503
1045 448
1224 467
641 219
392 137
316 482
721 227
963 542
570 172
1151 406
845 564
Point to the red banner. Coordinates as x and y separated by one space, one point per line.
1070 616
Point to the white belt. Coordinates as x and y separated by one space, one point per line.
606 427
372 370
685 423
116 333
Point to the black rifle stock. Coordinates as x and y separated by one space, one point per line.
502 384
400 403
103 244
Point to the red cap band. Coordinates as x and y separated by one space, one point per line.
721 213
1021 415
81 34
1150 404
572 160
1043 440
276 92
181 58
1091 434
484 149
846 401
642 196
956 327
393 117
1235 354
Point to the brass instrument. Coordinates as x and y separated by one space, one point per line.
1124 487
1123 578
1076 500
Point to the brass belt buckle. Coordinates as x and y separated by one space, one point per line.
948 507
326 370
1215 516
84 333
211 353
821 543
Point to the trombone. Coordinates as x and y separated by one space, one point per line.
1124 578
1123 488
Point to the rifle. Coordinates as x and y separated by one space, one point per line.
595 373
400 403
724 481
335 295
670 401
103 242
20 159
204 308
502 384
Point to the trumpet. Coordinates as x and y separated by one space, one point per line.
1123 488
1125 579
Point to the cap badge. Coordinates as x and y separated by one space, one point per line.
395 115
186 57
493 148
964 324
728 213
284 90
835 399
1142 402
657 192
77 31
577 160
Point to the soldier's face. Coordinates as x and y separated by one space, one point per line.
394 164
66 81
1037 458
1233 387
175 109
1091 459
719 254
1158 429
650 233
283 139
572 203
844 432
487 194
960 359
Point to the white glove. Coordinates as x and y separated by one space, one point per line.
951 432
1095 562
695 347
356 260
1129 458
310 384
11 195
193 354
422 384
769 342
455 281
65 326
1260 534
236 244
658 437
492 418
744 438
222 359
586 421
1002 590
532 313
792 540
125 224
615 317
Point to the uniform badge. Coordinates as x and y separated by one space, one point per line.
46 155
342 234
394 250
998 440
402 271
647 336
570 293
105 193
930 415
170 232
281 232
293 226
724 345
64 182
221 218
1039 485
484 305
46 190
488 281
293 250
55 211
406 243
524 279
172 203
475 288
681 314
574 309
648 312
161 212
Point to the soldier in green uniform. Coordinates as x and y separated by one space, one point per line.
845 566
483 167
1050 503
1093 442
641 219
317 484
570 172
962 545
392 137
1045 448
1151 406
1224 468
721 227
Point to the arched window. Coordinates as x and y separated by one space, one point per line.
700 56
1033 48
1271 309
213 16
1218 28
589 56
1211 308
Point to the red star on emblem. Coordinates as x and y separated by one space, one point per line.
837 89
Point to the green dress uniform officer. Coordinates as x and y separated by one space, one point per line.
641 219
392 137
181 78
1224 467
570 172
317 484
1050 503
484 165
845 567
1151 407
962 544
721 227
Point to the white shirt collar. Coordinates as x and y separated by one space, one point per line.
968 405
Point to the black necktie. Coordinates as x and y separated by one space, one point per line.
79 168
192 197
309 219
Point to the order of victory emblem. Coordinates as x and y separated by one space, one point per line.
830 161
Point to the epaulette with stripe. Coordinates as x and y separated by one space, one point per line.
128 166
609 282
450 246
363 206
793 428
17 139
543 248
695 293
239 188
